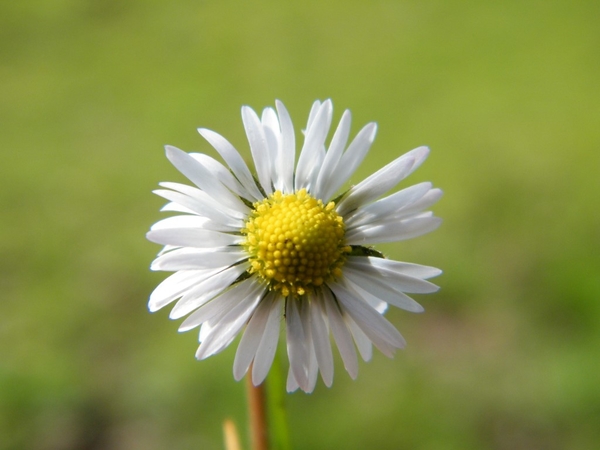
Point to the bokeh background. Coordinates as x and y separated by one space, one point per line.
505 93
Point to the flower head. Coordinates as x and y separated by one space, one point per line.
250 252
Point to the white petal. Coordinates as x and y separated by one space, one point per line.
386 206
373 324
363 343
405 229
175 286
259 148
287 151
199 207
351 159
413 270
176 207
291 384
193 221
332 157
314 109
272 130
313 366
187 221
190 259
374 302
268 344
251 338
377 184
192 237
320 336
230 325
382 290
296 343
223 174
205 200
340 332
204 179
383 180
423 203
234 161
313 144
399 281
207 290
220 305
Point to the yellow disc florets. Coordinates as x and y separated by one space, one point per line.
295 242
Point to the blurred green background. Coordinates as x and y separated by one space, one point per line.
505 93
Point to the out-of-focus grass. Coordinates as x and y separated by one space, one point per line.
506 356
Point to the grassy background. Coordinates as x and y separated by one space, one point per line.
507 96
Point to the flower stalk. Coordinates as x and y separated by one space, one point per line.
257 415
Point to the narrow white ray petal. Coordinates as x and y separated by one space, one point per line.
272 130
259 148
374 302
207 290
197 206
233 159
320 336
413 270
194 221
313 366
192 237
296 343
313 370
376 185
341 334
175 286
382 345
382 290
204 179
399 281
374 325
291 384
312 179
230 325
405 229
220 305
423 203
216 319
167 248
206 200
314 109
383 180
223 174
191 258
313 144
332 157
287 151
187 221
386 206
412 211
351 159
251 338
265 352
205 330
175 207
363 343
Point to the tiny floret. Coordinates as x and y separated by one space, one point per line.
288 244
294 242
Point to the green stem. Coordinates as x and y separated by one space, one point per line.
276 393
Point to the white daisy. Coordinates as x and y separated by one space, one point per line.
250 252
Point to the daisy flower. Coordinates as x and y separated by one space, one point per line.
252 251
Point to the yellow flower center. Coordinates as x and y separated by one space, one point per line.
295 242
